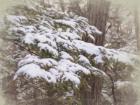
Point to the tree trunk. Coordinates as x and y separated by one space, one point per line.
91 94
97 14
96 90
61 2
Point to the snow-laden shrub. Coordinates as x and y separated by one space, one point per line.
59 64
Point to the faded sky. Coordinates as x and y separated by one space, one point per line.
4 4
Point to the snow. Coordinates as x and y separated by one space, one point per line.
68 55
71 77
46 47
16 19
68 35
66 22
51 43
123 57
63 69
71 67
33 71
34 59
101 52
86 47
29 38
40 38
65 55
83 59
93 29
69 70
48 61
27 59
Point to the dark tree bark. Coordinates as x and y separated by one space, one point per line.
90 92
96 90
97 14
96 11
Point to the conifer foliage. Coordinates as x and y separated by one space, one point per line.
60 67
